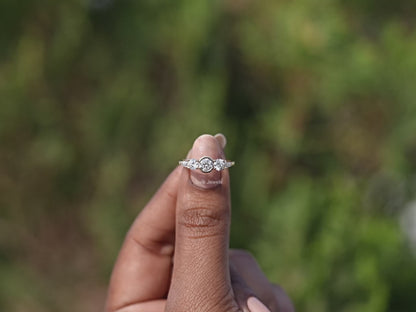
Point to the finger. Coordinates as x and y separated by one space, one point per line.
248 268
240 289
201 278
271 295
143 269
222 140
149 306
285 304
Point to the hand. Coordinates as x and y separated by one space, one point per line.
175 256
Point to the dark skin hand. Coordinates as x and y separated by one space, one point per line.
176 258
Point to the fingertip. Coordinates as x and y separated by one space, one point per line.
206 146
222 140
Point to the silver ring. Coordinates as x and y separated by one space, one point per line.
206 164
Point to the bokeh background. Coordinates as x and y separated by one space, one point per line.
100 98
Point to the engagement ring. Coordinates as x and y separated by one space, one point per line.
206 164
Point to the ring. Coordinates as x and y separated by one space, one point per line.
206 164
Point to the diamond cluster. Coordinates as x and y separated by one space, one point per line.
206 164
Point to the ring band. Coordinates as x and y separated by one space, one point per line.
206 164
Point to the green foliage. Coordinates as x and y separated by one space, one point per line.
317 99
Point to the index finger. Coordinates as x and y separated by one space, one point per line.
147 248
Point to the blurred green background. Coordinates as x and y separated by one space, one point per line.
99 99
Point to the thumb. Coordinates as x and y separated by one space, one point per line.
201 278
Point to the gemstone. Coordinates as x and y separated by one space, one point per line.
206 164
193 164
219 164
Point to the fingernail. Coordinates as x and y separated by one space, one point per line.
221 139
255 305
206 145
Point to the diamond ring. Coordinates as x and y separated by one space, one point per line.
206 164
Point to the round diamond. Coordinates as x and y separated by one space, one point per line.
206 164
193 164
219 164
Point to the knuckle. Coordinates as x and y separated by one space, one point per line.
172 195
200 217
203 220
